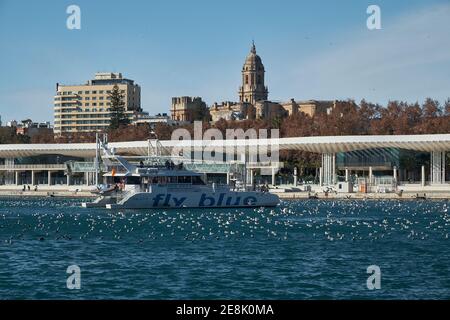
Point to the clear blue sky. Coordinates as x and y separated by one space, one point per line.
311 49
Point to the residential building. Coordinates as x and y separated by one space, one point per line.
87 107
30 128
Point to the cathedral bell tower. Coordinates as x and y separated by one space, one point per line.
253 88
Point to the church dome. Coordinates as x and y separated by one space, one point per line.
253 61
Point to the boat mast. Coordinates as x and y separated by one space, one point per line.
96 162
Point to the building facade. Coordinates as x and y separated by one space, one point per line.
230 111
188 109
30 128
143 118
253 98
87 107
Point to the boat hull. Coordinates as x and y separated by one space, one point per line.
100 202
186 199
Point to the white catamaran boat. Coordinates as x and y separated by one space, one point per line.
171 186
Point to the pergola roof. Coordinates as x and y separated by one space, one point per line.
427 143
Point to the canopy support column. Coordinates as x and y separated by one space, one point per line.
329 168
437 167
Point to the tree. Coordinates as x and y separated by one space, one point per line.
118 115
8 135
45 136
447 108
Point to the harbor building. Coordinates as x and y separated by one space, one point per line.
376 164
87 107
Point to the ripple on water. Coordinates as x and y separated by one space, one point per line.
301 249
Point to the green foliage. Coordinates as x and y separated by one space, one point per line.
118 115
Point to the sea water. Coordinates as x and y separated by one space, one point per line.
310 249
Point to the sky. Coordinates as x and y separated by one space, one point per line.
311 50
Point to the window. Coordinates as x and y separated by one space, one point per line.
86 98
94 98
197 180
171 179
94 92
87 109
80 92
94 104
184 180
101 98
86 104
86 92
246 79
101 92
101 103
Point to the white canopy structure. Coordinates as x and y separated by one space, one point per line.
436 144
324 145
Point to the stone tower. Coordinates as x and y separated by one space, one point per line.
253 88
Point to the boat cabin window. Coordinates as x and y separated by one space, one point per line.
162 180
174 180
127 180
171 179
197 180
184 180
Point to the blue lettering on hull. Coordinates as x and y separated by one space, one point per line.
205 200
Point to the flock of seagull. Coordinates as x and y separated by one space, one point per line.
340 220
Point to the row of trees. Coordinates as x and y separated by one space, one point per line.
350 118
397 118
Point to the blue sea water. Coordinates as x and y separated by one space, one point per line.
310 249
